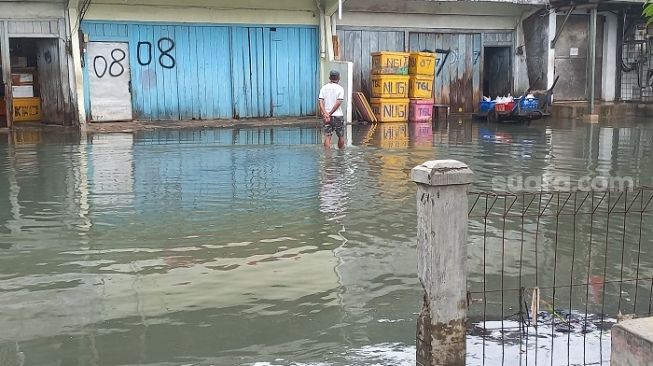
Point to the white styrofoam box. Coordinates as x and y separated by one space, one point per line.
22 91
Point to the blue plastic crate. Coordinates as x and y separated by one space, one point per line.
529 104
486 106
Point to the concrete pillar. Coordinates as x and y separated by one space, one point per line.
329 38
80 97
521 81
442 254
591 56
632 343
550 77
609 80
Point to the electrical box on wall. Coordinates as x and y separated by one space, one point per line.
641 33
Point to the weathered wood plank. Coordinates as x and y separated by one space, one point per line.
476 72
367 38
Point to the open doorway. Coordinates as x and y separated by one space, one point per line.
497 71
36 81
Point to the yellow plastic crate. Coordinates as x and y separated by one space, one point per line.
390 109
27 109
420 87
422 63
394 135
390 86
390 63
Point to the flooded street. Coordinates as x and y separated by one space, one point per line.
246 246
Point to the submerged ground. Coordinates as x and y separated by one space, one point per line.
248 246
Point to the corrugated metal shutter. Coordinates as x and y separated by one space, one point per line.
211 72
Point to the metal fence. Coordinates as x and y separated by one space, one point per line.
551 272
636 63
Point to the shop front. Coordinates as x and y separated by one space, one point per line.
479 47
200 60
173 71
35 73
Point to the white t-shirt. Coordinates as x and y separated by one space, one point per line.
331 93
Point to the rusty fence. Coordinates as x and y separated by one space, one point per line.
551 272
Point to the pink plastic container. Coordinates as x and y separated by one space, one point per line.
421 133
420 110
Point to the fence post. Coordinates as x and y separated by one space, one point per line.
441 260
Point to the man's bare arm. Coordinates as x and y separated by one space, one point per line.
336 106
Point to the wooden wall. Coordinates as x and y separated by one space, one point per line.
357 45
458 85
53 104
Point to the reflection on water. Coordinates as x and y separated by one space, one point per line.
244 246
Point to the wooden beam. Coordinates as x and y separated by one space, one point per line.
6 71
331 6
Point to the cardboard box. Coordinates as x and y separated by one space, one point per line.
18 61
22 78
22 91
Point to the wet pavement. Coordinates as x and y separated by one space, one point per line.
245 246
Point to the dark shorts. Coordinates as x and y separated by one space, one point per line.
337 124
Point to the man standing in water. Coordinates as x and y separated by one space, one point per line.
331 97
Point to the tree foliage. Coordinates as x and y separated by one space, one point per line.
648 12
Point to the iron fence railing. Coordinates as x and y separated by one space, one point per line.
551 272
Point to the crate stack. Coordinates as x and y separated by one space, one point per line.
390 79
422 74
26 105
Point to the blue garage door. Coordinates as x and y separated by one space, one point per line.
211 72
274 71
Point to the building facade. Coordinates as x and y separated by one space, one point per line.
493 48
115 60
477 44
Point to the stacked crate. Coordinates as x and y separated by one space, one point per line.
390 79
420 91
26 105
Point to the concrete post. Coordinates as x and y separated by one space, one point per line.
592 61
609 65
550 56
441 265
632 343
76 57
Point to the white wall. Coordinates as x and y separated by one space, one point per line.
31 10
280 12
429 21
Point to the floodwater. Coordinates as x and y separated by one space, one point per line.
247 246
